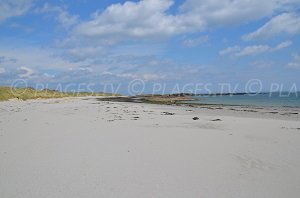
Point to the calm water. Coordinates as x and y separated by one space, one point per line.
268 99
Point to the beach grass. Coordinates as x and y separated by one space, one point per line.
7 93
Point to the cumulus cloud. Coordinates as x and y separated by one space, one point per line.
228 12
151 19
104 41
13 8
143 19
286 23
254 49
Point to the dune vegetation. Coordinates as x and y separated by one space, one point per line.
7 93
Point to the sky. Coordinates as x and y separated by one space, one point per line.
170 45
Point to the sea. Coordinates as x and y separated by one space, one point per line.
282 99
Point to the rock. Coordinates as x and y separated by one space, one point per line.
215 120
195 118
167 113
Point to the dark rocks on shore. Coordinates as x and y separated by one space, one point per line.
195 118
167 113
216 120
273 112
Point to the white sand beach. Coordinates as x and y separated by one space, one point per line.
88 148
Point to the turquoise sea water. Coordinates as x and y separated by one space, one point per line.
263 99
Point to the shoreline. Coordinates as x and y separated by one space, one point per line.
268 112
284 113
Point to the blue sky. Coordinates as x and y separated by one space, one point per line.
157 41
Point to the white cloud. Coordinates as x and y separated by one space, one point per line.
143 19
254 49
48 76
283 45
295 64
26 72
41 65
13 8
228 12
61 15
195 42
287 23
33 57
151 19
230 50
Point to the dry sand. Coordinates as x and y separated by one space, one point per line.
86 148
